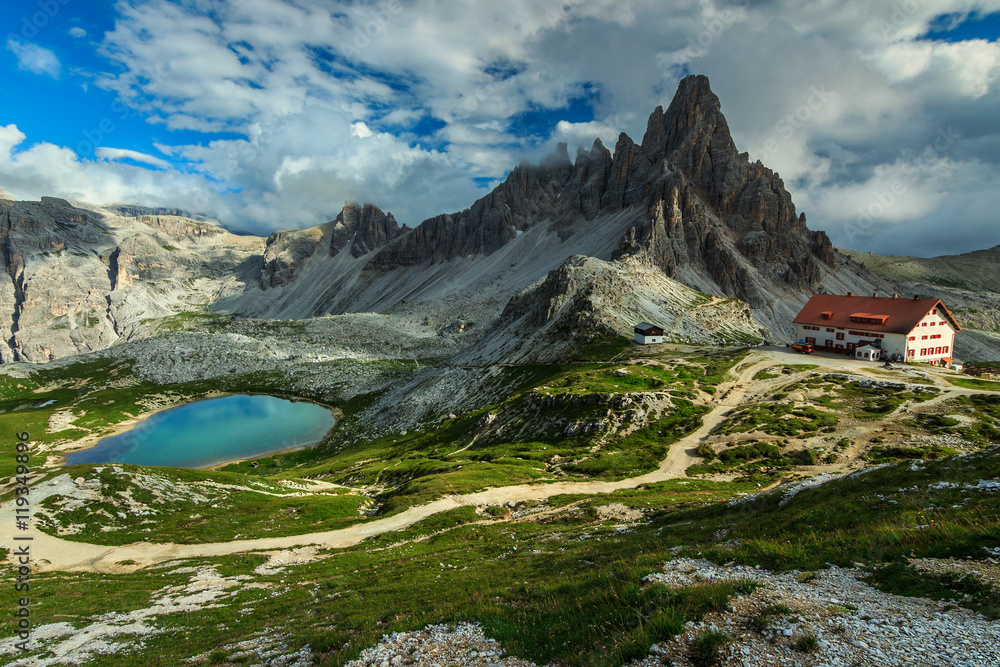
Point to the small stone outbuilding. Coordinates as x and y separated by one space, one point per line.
868 353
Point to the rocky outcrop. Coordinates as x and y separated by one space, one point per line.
713 219
286 254
362 229
587 299
79 278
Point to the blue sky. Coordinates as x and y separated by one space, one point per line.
883 119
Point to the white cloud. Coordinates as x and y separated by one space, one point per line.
10 138
360 130
334 101
78 32
45 169
114 154
34 58
583 134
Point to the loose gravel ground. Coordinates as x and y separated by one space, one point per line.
435 646
853 623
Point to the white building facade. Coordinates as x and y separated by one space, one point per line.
917 330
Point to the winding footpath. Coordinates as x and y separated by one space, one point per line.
54 553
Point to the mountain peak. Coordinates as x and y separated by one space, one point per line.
692 133
363 229
558 158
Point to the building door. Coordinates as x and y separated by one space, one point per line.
829 342
851 347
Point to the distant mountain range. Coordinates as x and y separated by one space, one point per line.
587 245
977 271
969 284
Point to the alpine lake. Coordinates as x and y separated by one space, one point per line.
212 431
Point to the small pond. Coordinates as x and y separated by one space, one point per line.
212 431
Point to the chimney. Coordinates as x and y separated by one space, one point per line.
875 294
850 294
895 295
916 297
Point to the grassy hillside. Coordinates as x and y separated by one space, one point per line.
564 587
977 271
558 579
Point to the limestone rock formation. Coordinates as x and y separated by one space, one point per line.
683 205
712 210
362 229
80 278
286 253
586 298
692 205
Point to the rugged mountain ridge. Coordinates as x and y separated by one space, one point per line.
685 199
711 215
684 204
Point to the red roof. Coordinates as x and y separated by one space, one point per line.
901 315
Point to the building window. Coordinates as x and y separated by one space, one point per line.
828 329
913 337
923 352
840 336
811 341
911 353
946 349
934 312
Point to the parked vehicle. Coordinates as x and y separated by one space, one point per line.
803 348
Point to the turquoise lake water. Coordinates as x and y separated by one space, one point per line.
204 433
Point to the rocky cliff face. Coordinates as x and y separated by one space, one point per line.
712 216
286 253
80 278
528 196
713 211
701 213
362 229
684 204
